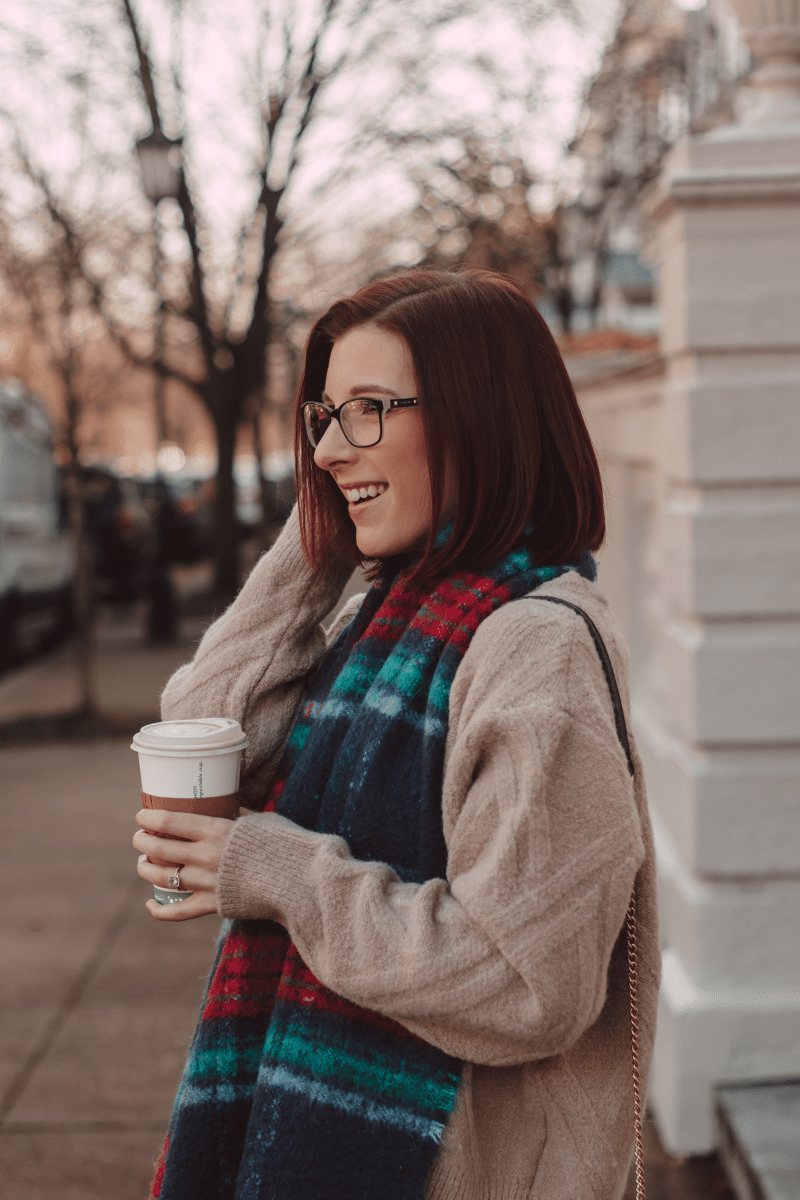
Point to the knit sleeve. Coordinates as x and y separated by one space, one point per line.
254 662
506 959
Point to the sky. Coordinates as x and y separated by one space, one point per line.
67 67
38 54
68 83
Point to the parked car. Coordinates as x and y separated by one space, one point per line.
183 522
118 530
280 490
37 562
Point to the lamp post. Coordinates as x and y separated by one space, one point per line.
162 176
160 165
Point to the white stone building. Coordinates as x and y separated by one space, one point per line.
701 451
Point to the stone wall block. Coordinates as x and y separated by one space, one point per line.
733 431
728 812
673 272
729 934
733 555
750 297
735 684
747 813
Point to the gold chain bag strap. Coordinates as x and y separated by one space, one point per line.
630 919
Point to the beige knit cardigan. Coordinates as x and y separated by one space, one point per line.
516 961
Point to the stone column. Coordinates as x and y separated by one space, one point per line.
721 734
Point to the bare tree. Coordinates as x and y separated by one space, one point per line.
473 210
321 84
51 298
303 56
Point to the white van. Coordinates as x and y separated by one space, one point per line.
36 556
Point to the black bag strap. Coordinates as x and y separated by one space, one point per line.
608 670
630 919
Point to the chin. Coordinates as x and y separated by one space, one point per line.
373 547
373 544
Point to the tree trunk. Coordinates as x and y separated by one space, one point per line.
83 599
264 492
226 528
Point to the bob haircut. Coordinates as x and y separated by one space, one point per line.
497 405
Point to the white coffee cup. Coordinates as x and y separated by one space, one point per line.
190 766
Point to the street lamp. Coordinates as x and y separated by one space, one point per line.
160 162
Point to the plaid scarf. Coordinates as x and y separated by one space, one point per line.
291 1092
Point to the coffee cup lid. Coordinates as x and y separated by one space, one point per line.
196 733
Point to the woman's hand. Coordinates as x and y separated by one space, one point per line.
198 856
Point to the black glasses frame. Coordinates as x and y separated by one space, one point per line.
386 405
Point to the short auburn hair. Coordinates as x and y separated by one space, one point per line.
496 403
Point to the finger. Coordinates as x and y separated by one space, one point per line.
141 836
193 879
159 873
191 826
166 851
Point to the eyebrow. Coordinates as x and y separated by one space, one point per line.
368 389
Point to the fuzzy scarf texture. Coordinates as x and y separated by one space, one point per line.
291 1092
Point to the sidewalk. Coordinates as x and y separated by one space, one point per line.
99 1001
129 673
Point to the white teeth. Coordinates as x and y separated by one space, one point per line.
365 493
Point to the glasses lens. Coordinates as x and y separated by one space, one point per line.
317 420
361 421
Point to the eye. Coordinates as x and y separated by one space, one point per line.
367 405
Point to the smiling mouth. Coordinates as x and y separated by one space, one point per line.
363 495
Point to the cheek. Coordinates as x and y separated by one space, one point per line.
411 466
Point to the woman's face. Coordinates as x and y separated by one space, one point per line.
396 518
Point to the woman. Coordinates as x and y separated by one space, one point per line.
424 989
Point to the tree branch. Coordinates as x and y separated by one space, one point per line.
145 72
197 282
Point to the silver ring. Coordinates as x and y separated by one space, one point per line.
174 880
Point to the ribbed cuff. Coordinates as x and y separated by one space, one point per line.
263 871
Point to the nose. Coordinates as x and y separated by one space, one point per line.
333 448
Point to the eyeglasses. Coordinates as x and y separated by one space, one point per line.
361 420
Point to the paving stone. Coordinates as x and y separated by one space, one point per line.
79 949
760 1139
78 1165
120 1053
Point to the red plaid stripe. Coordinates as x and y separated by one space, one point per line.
247 976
